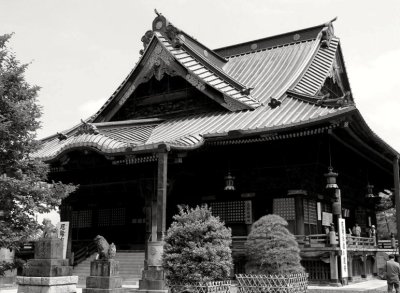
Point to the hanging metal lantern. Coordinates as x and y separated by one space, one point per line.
370 191
229 182
331 178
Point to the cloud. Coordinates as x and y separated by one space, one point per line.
375 87
90 107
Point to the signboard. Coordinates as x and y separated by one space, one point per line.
326 219
319 218
62 230
343 248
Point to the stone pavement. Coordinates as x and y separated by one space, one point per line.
371 286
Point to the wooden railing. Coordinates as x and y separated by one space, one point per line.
315 240
360 242
387 244
322 240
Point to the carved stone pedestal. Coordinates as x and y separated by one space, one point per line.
48 272
104 277
66 284
153 279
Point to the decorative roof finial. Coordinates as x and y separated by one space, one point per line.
246 91
158 13
87 128
146 40
61 136
273 103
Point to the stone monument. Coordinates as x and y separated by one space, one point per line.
48 272
104 271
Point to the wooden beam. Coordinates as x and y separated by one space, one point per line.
366 146
372 161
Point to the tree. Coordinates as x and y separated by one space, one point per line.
196 247
23 187
271 248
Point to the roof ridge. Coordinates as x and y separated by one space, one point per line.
161 23
267 42
177 37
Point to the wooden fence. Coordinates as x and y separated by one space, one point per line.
201 287
293 283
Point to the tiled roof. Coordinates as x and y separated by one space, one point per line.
271 72
300 65
209 74
189 132
314 77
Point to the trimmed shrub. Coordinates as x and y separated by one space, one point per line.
271 248
196 247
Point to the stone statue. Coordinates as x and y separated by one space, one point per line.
49 230
106 251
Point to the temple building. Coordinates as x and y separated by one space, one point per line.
266 126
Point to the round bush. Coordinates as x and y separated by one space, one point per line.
271 248
196 247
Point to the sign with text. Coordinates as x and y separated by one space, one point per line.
62 230
343 248
326 219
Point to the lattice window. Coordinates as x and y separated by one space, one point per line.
361 217
310 211
233 211
118 217
111 217
82 219
103 219
285 208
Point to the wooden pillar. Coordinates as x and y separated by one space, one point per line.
299 208
153 279
350 267
364 266
333 261
154 216
397 193
162 195
375 264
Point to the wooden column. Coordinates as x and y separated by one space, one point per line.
299 207
153 278
333 261
350 266
375 264
162 194
397 193
364 266
154 216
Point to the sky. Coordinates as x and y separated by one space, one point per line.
81 50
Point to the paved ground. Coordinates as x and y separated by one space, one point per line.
367 287
371 286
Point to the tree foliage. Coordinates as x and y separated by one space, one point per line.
271 248
196 247
23 191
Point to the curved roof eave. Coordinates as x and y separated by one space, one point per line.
372 135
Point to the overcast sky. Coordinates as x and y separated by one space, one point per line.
80 51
